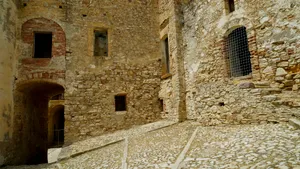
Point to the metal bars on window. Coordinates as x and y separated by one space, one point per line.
237 52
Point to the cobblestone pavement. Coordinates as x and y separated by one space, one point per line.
187 145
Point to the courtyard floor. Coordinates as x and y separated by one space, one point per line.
188 145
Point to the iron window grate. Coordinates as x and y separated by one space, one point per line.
237 52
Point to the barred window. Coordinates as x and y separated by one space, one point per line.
237 52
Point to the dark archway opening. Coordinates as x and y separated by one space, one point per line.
31 108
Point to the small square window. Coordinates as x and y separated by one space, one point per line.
120 103
229 6
42 45
100 43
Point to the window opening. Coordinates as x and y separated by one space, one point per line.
58 130
229 6
161 105
100 43
120 103
42 45
237 52
166 55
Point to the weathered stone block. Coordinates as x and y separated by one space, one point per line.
283 64
288 83
246 85
295 87
280 72
270 98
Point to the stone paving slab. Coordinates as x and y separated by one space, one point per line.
53 154
109 157
160 148
247 146
98 142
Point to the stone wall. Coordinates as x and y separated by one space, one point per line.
36 80
41 16
131 67
271 93
8 22
198 85
172 90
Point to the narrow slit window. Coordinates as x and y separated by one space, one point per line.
161 105
100 43
166 57
237 53
229 6
120 103
42 45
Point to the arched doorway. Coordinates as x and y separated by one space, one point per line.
31 108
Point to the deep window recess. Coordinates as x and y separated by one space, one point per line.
167 54
42 45
120 103
229 6
100 43
237 52
166 57
161 106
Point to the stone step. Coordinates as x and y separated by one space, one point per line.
289 95
295 122
262 84
270 91
286 102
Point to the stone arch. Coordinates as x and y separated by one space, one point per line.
31 119
234 23
45 25
24 85
231 25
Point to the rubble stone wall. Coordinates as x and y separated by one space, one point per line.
173 88
131 67
271 93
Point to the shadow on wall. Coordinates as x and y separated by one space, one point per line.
31 112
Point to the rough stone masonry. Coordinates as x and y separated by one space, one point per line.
163 59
